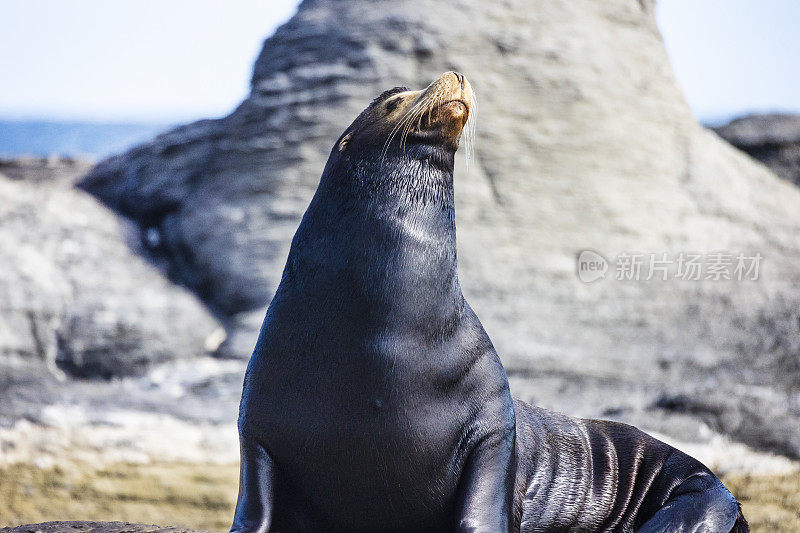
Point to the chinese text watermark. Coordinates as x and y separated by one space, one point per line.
682 266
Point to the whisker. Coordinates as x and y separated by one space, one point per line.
403 122
470 131
417 116
394 132
412 117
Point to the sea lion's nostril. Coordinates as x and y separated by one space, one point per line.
460 78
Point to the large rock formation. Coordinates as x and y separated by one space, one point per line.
584 142
73 296
773 139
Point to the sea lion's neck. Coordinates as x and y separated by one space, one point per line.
386 237
410 180
413 196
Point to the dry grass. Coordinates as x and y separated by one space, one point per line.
771 503
203 496
190 495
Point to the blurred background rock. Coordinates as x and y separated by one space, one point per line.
133 289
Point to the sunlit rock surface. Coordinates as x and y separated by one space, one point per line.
75 301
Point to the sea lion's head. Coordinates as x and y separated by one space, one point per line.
402 124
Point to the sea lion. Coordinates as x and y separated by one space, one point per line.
374 399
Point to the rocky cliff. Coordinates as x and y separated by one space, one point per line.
75 301
584 141
773 139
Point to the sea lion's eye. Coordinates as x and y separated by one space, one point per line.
385 95
392 104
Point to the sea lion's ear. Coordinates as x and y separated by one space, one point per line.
344 142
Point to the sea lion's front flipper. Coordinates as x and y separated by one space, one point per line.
256 485
487 486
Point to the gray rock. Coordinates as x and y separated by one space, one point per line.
73 296
94 527
773 139
584 141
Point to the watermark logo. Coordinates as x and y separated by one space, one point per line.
591 266
683 266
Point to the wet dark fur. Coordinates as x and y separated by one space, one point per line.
375 401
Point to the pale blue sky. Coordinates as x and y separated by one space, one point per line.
176 60
734 56
130 60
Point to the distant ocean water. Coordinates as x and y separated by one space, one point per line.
85 139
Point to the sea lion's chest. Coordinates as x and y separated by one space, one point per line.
372 417
339 379
340 363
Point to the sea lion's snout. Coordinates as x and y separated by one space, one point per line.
444 108
449 101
